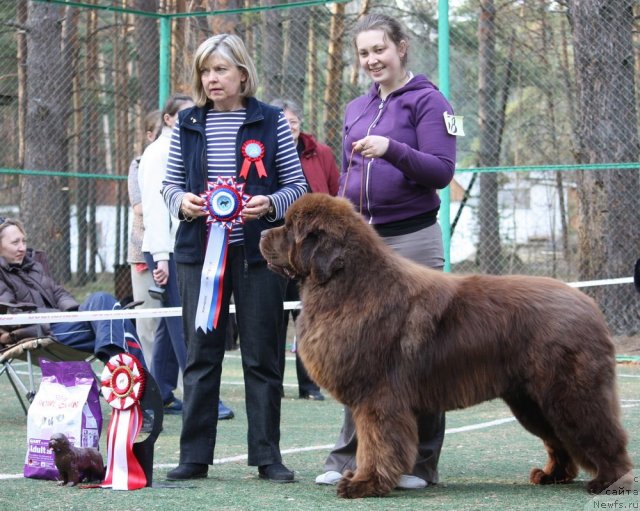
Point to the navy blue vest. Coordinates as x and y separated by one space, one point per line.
261 124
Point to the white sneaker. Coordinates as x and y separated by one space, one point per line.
408 482
331 477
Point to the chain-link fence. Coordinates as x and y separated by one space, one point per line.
548 174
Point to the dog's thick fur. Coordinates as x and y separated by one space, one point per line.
75 464
388 337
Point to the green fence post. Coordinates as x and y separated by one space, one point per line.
165 48
443 83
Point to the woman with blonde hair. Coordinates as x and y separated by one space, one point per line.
233 170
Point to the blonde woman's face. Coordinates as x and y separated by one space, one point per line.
13 244
222 83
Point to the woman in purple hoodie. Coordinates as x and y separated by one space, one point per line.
397 152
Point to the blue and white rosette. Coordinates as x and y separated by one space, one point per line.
224 201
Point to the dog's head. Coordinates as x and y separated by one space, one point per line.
59 442
311 243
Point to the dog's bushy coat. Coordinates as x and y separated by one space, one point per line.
388 337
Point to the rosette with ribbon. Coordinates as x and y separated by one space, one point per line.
253 152
122 381
224 201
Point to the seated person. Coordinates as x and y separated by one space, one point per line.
25 284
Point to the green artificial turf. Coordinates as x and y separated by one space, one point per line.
485 468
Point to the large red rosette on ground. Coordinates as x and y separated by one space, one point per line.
123 380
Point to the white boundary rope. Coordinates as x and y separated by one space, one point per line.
63 317
606 282
167 312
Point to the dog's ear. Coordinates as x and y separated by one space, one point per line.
322 255
315 252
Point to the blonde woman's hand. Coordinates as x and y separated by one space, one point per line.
257 207
372 146
191 206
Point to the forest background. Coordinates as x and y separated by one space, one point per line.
548 171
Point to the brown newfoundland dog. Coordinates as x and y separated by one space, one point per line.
388 337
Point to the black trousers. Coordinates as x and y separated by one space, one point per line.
258 295
305 383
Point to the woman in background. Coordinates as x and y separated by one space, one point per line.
141 278
321 172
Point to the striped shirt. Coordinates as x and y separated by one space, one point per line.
221 129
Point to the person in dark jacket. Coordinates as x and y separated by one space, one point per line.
24 284
397 152
232 172
321 172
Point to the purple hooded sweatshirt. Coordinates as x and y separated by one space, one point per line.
420 158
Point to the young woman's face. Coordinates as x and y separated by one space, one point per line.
379 57
13 244
222 82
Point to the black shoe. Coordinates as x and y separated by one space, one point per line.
188 471
173 407
316 395
276 472
224 412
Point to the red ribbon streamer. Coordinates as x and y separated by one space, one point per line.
123 382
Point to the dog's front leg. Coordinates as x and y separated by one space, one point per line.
386 449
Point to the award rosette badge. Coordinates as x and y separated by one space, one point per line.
224 201
253 152
122 383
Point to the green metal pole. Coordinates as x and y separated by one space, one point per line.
164 80
443 81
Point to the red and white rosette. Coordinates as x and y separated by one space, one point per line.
122 382
253 152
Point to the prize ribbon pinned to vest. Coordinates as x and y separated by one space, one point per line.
253 152
224 201
122 382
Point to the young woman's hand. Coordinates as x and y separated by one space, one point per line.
372 146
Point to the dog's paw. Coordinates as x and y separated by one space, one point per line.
351 487
539 476
595 487
624 483
354 489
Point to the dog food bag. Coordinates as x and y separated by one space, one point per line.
68 401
